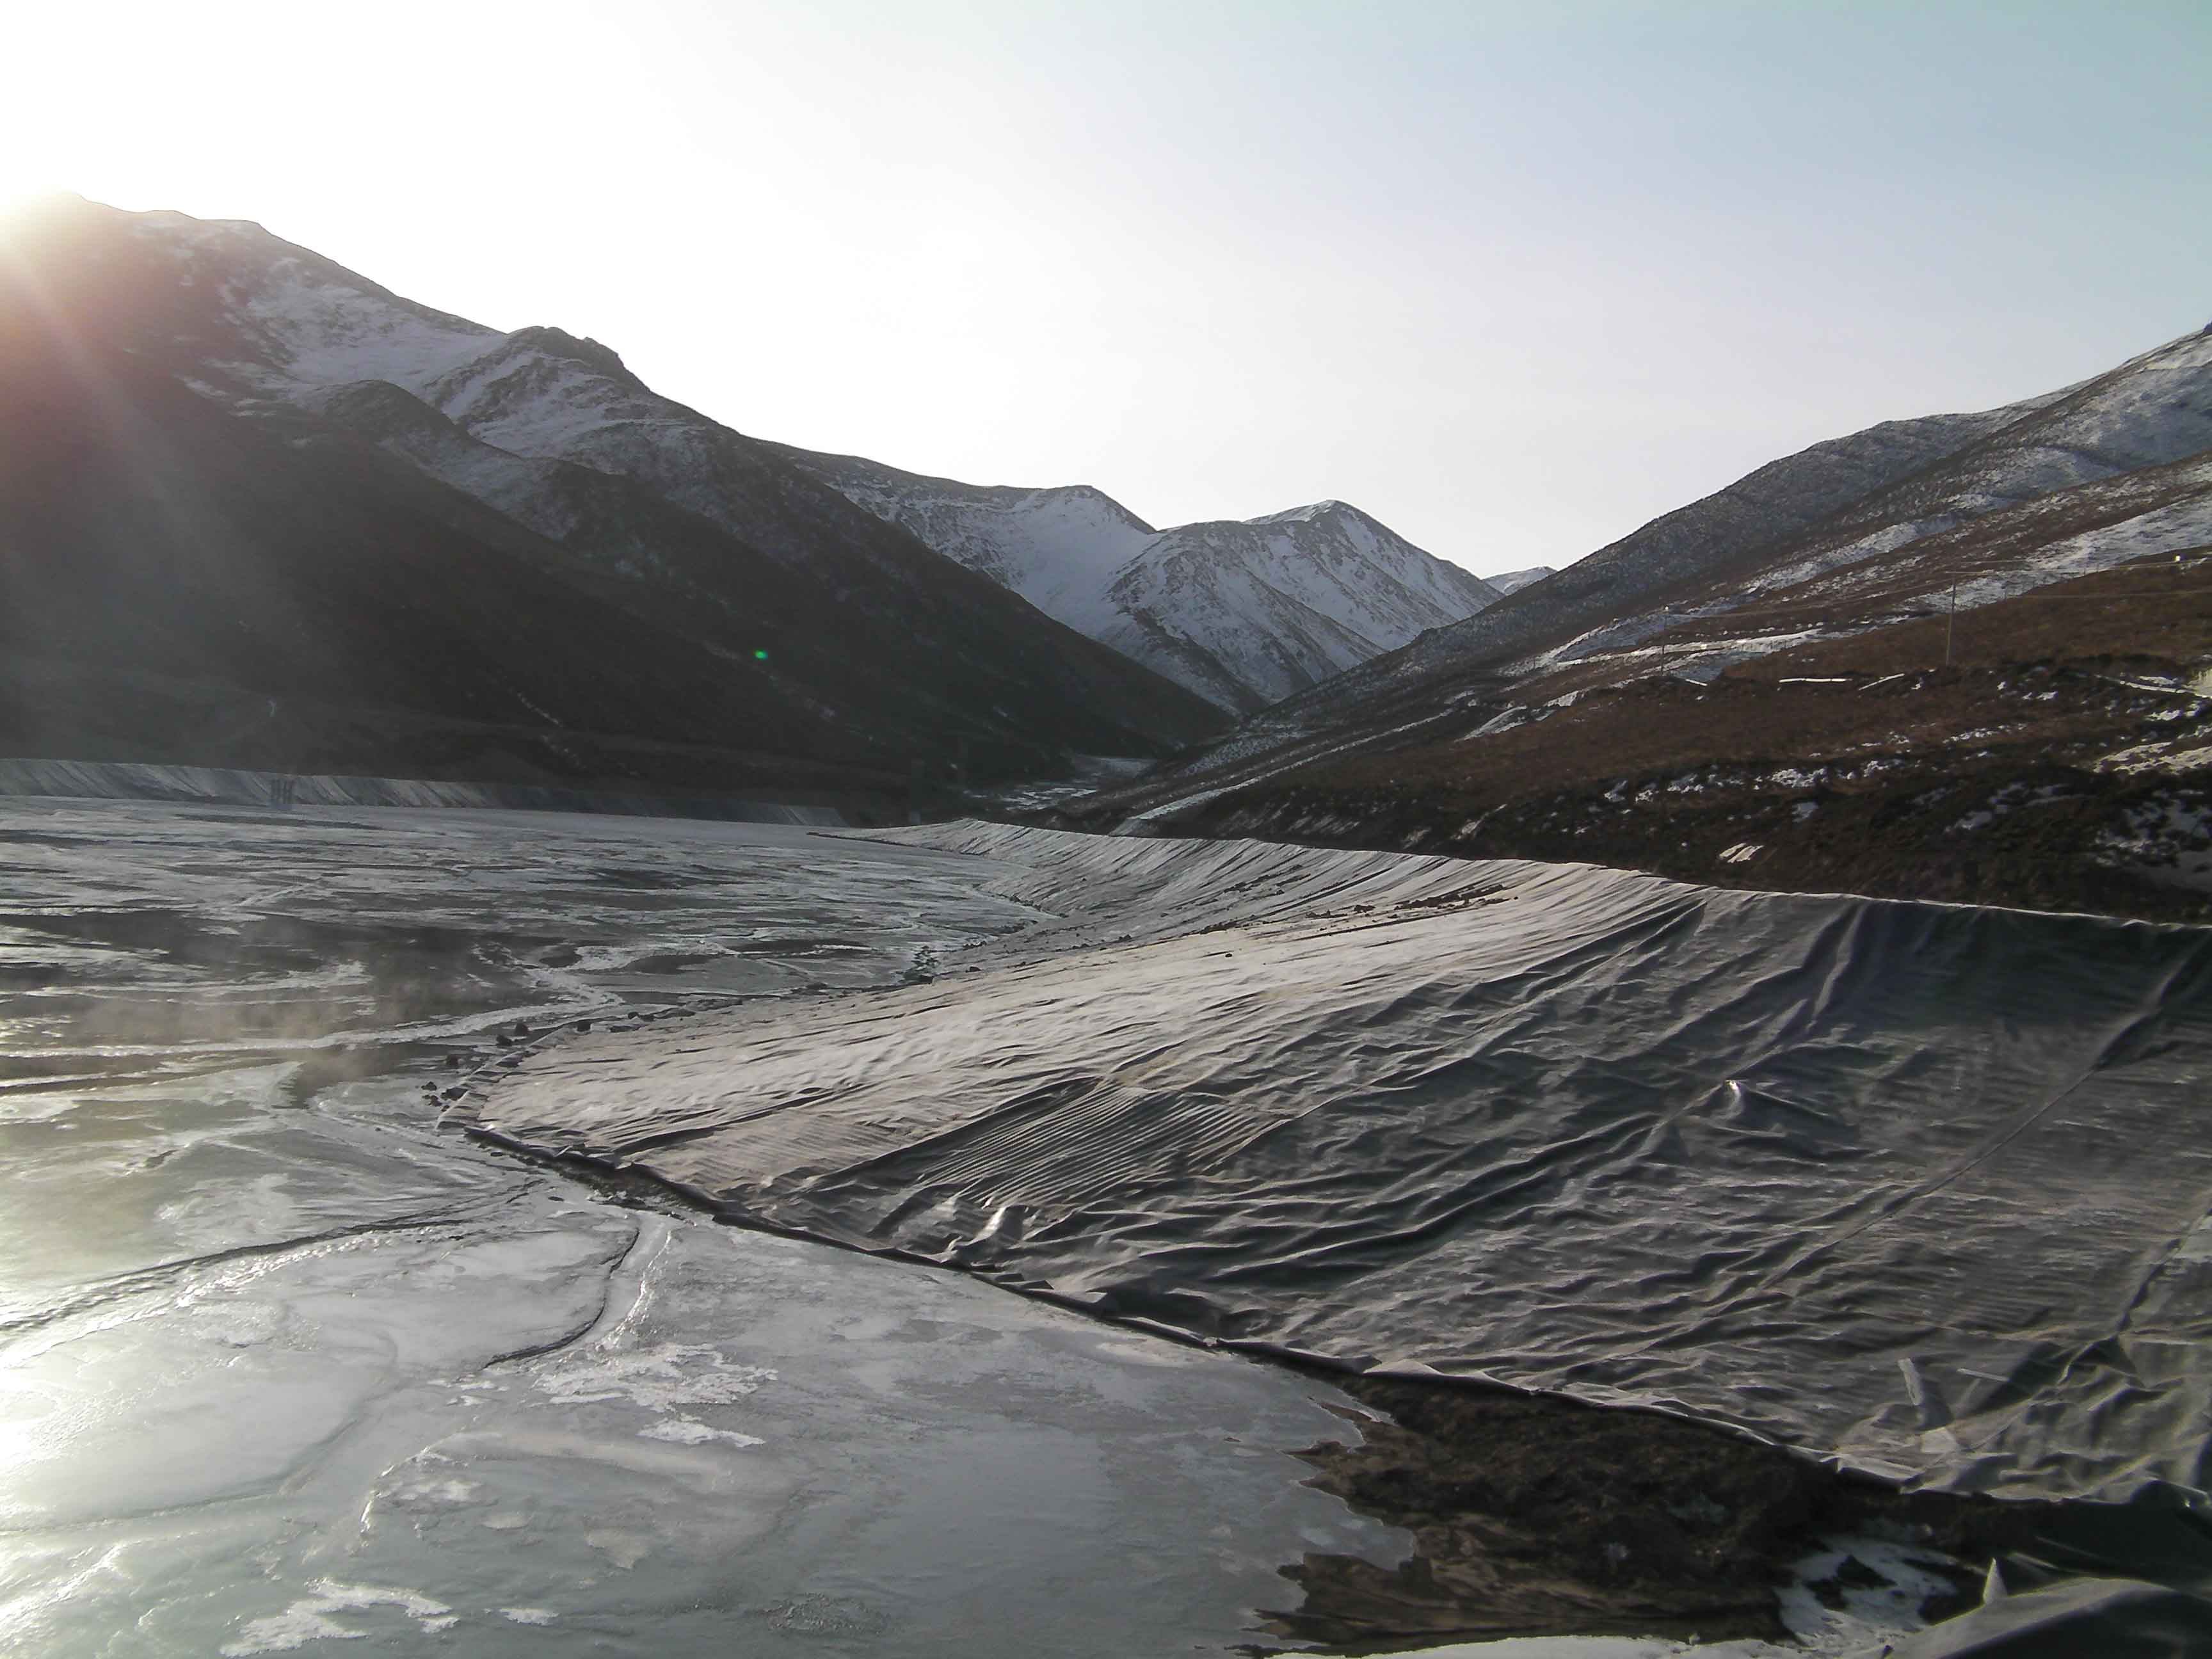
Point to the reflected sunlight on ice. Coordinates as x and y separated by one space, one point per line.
285 1363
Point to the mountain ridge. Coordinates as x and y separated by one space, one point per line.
598 481
1915 553
1245 612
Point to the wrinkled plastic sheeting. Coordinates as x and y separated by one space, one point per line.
1920 1188
2110 1619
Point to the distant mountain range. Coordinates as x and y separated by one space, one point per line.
1816 526
1512 581
1244 613
258 510
1850 558
675 600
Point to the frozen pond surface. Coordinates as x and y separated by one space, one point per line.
285 1363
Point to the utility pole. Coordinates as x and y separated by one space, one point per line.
1950 622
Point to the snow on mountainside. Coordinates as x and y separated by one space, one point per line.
280 322
1250 613
2060 454
1244 613
2153 409
1058 548
696 525
1512 581
1302 596
1854 535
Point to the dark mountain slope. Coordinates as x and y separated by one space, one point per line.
1964 590
880 653
1690 592
268 569
2061 759
180 583
867 672
1728 530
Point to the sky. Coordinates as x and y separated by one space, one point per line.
1514 278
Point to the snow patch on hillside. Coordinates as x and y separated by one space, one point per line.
1243 612
295 326
1059 548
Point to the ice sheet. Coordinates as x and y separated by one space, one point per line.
285 1363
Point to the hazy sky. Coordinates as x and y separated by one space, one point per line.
1515 278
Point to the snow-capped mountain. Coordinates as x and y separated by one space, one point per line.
1058 549
1854 534
1248 613
1512 581
1243 612
1871 496
546 444
1243 615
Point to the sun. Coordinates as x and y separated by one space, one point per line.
16 196
15 201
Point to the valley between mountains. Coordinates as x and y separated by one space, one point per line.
261 512
1687 1068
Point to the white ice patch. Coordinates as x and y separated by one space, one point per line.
659 1379
529 1615
624 1549
2168 838
689 1431
308 1619
425 1489
614 958
1870 1613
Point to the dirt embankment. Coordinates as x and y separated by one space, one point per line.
2061 760
1534 1515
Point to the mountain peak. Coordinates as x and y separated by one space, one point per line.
1241 610
559 343
319 487
1315 513
1512 581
